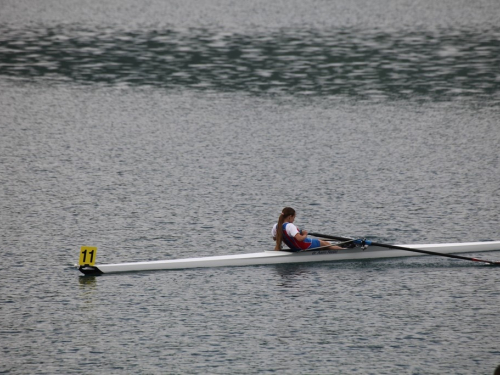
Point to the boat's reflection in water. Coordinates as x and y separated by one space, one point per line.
87 282
291 273
87 289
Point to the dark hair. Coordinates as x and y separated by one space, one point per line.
287 211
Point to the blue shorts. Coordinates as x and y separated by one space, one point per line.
308 243
313 241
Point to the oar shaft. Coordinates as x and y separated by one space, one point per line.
330 237
407 249
429 252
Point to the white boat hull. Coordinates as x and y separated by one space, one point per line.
281 257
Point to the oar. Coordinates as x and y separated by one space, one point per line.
407 249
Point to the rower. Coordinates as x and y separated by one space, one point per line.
297 240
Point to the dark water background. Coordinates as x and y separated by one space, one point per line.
159 130
437 65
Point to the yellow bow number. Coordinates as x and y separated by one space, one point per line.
87 255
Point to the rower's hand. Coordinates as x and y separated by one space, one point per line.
304 232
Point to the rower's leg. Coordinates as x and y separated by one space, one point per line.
331 247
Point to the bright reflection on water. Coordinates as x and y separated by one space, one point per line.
436 65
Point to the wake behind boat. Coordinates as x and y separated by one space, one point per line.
377 251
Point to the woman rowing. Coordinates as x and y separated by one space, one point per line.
297 240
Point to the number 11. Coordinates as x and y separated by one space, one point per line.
91 252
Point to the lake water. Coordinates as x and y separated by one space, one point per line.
160 130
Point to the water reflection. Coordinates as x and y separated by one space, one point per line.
439 64
88 287
290 273
87 283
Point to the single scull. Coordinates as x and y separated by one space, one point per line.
280 257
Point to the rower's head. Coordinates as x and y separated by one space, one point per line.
288 214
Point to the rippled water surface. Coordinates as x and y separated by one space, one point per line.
440 65
161 130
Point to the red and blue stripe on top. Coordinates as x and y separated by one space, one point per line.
295 245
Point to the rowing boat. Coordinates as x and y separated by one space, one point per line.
282 257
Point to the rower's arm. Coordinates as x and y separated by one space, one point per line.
301 237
